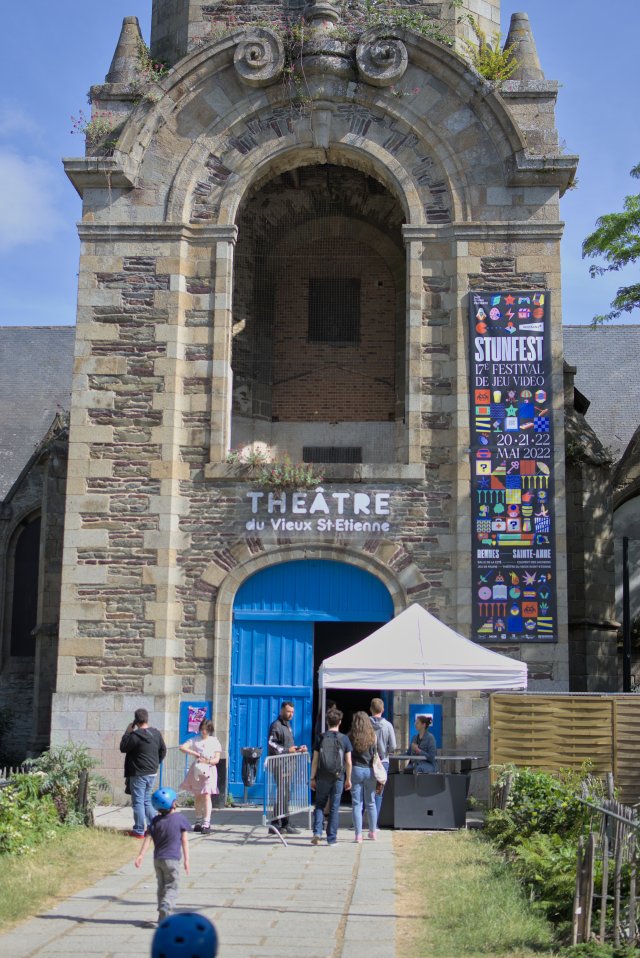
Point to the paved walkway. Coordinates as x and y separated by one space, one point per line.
266 901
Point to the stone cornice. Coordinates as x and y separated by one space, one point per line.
163 232
490 231
560 171
206 235
96 172
331 472
527 89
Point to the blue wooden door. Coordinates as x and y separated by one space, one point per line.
272 656
272 663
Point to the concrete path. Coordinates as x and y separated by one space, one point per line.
266 901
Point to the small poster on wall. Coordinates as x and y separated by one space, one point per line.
191 715
195 715
512 489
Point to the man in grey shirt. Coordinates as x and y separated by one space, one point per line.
386 737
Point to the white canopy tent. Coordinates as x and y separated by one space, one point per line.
417 652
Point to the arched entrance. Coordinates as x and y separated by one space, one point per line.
287 618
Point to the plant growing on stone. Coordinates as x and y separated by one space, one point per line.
288 474
488 58
96 129
149 72
277 474
400 93
251 458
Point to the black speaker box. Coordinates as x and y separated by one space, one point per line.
424 801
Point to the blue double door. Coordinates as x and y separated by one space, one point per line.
277 647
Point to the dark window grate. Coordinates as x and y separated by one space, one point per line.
332 454
334 310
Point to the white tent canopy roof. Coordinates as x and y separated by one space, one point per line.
416 651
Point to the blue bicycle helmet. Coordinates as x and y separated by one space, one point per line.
163 799
185 935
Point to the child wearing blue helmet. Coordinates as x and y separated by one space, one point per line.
186 935
168 832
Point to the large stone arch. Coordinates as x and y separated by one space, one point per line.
386 560
225 181
171 140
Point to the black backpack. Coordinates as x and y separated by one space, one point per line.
330 757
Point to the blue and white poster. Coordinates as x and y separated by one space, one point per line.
512 495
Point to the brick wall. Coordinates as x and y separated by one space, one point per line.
320 222
323 381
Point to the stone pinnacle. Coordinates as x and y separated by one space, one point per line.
521 37
124 65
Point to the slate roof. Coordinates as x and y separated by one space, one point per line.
36 366
607 359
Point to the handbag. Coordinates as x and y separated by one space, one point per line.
201 772
379 771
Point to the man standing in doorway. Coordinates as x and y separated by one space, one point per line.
144 749
280 743
386 736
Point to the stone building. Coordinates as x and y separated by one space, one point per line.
604 360
287 241
35 392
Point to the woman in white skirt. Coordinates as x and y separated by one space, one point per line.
202 777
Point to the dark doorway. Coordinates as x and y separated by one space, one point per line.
330 638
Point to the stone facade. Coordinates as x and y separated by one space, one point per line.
394 156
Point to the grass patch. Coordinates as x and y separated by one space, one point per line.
457 900
74 859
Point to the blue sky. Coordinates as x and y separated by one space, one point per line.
53 53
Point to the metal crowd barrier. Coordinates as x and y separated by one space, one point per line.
174 769
286 790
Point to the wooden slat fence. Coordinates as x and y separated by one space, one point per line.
558 730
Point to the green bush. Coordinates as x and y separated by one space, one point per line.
541 802
594 949
59 771
546 866
538 832
49 795
27 817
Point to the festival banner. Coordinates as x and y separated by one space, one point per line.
512 494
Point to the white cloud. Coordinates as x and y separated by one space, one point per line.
15 122
29 190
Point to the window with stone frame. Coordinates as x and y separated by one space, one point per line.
334 310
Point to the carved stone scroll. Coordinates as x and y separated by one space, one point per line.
382 59
259 59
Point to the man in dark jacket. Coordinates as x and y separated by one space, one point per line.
144 749
280 743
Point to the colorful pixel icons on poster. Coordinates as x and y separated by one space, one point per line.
512 495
